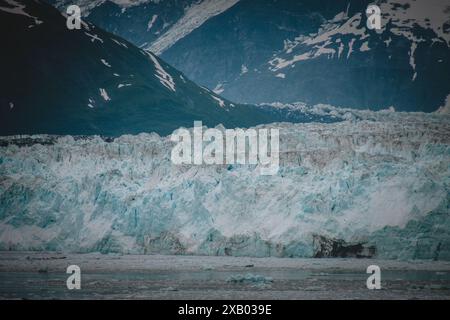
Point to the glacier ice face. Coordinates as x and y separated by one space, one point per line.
379 177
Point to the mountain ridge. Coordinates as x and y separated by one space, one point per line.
305 51
88 81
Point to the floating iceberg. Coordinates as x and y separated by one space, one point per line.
249 278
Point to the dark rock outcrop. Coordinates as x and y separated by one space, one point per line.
325 247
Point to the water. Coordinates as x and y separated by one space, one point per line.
175 284
181 277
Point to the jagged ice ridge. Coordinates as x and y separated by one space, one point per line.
378 177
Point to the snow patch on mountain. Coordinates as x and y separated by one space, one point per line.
321 41
132 3
94 37
104 94
87 6
244 69
15 7
220 101
218 89
152 21
194 16
428 14
119 43
364 47
91 103
402 16
105 63
165 78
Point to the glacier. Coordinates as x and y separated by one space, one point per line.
377 178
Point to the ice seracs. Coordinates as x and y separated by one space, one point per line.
378 177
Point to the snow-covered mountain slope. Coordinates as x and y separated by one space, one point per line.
194 16
303 50
286 51
153 25
399 19
87 6
60 81
381 178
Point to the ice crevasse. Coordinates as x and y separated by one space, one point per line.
382 182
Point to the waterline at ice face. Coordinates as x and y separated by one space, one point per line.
382 181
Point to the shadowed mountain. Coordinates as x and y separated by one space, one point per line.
296 50
88 81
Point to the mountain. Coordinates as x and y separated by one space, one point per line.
290 51
381 182
350 183
88 81
155 25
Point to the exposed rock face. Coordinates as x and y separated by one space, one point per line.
336 248
165 243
